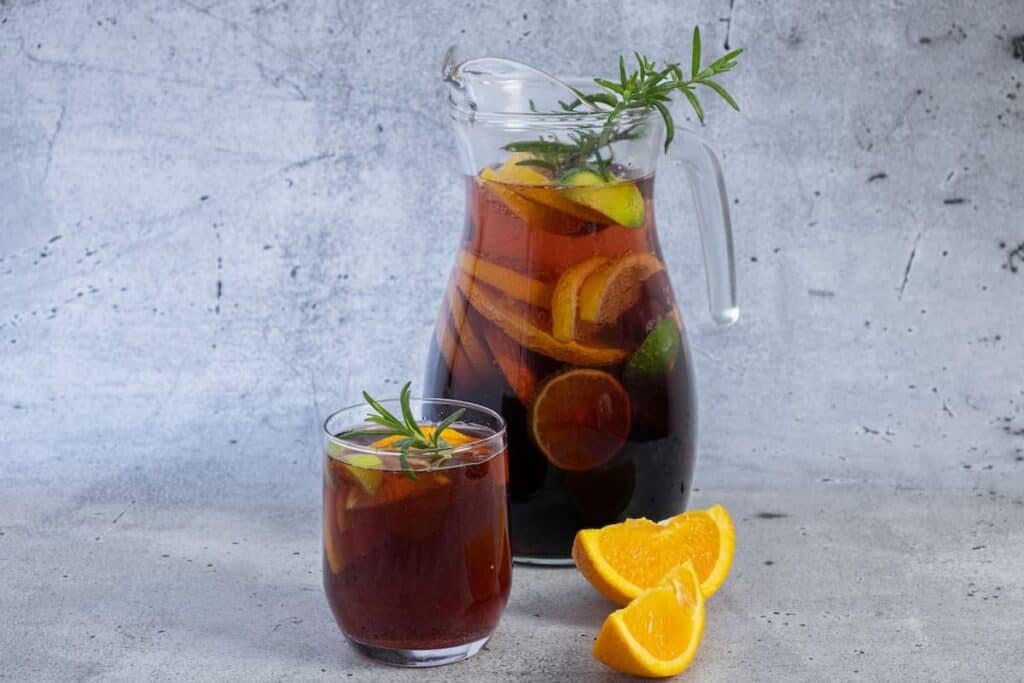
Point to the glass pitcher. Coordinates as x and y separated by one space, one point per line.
559 312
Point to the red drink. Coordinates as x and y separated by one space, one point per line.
564 320
417 567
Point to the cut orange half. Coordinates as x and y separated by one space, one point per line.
613 289
657 634
622 560
510 316
565 299
580 418
510 282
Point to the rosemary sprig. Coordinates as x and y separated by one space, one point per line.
408 428
645 88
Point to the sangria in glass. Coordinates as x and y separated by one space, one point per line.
416 564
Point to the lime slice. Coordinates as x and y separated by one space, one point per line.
619 200
364 468
657 354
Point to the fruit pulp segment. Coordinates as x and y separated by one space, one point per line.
658 624
562 314
417 564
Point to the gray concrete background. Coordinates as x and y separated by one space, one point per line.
219 220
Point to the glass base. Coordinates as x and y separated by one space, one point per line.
420 658
544 561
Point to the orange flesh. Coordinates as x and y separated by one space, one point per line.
452 436
643 552
659 624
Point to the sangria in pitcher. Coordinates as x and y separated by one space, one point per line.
559 312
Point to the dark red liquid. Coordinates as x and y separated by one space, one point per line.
478 357
419 564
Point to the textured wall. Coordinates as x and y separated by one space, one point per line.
219 220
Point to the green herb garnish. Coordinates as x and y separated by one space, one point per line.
408 428
645 88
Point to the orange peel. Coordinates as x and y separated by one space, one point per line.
514 284
613 289
510 317
565 298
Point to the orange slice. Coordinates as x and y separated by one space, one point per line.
465 336
657 634
565 299
509 357
580 418
452 436
528 182
510 317
510 282
535 215
613 289
622 560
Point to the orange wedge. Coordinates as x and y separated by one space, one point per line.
510 316
616 287
509 357
565 299
622 560
658 633
580 418
510 282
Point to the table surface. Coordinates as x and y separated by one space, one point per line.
219 220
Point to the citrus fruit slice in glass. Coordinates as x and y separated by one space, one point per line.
619 200
656 354
534 214
613 289
622 560
510 359
565 299
510 282
511 317
658 633
580 418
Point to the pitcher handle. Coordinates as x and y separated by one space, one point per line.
705 174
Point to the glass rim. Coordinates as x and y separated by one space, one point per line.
354 447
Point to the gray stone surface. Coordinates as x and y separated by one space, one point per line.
219 220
